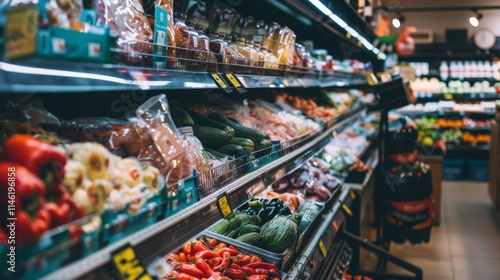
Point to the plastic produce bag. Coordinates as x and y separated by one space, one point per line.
127 19
158 141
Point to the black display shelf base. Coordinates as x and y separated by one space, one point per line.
384 256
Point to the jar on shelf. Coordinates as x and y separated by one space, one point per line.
195 149
206 59
235 61
217 48
192 61
253 53
183 40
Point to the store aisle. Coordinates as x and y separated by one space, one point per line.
466 246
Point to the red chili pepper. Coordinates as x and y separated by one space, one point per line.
64 210
44 160
233 252
25 191
199 247
235 266
255 259
206 255
204 267
234 273
264 265
257 277
220 245
225 262
253 271
244 259
187 248
190 269
184 276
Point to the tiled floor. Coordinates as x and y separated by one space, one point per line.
466 246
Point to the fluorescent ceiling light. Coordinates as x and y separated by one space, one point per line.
376 51
321 7
338 21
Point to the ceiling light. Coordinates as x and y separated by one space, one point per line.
474 20
396 23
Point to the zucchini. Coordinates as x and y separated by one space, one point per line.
247 144
239 130
221 227
181 117
233 150
250 238
211 137
234 120
205 121
215 153
234 233
263 147
248 228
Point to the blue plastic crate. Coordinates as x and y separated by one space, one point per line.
453 169
477 170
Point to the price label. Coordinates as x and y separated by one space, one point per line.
347 211
360 44
20 31
235 82
223 205
448 96
322 248
220 82
353 195
129 265
348 35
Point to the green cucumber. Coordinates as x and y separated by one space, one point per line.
232 150
239 130
215 153
205 121
246 143
211 137
181 117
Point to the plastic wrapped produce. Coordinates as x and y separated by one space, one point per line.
127 19
195 149
156 140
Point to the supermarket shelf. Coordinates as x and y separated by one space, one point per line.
331 223
346 11
470 79
476 128
422 97
447 114
180 227
46 77
481 151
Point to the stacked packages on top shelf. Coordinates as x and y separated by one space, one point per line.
204 37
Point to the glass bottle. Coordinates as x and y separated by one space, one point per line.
204 56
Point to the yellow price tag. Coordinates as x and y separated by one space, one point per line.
128 264
360 44
20 31
448 96
322 248
347 210
348 35
223 205
353 195
232 79
218 80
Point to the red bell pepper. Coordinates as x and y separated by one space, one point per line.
63 210
44 160
26 193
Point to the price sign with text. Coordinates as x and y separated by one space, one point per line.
128 264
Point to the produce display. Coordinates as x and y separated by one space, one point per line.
312 181
209 258
264 223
